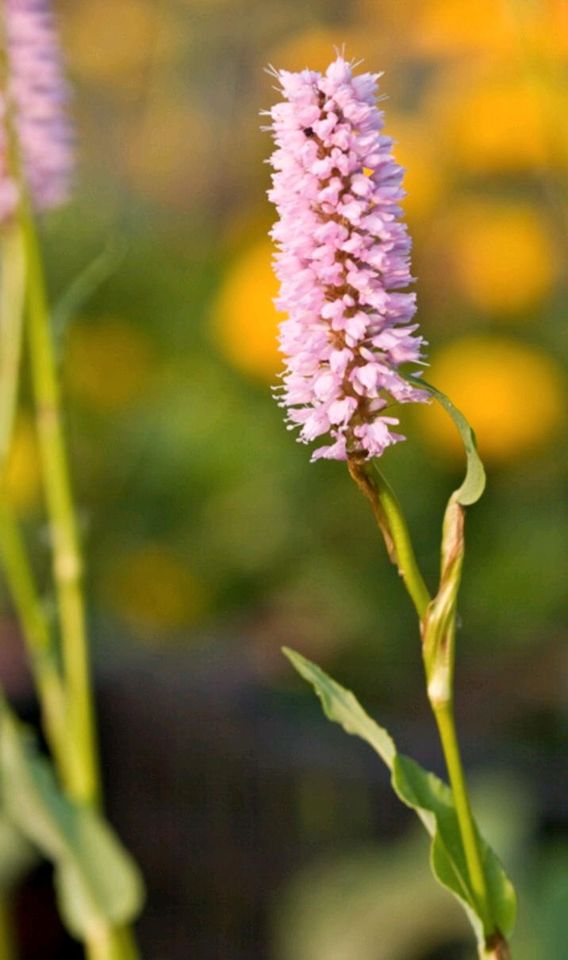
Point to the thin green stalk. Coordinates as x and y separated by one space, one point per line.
13 554
444 715
82 775
406 558
392 524
36 635
12 293
115 944
84 782
496 949
75 747
390 520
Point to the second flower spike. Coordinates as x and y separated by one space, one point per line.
35 132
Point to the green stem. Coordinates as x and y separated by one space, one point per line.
406 558
12 293
83 784
496 948
14 558
444 715
392 524
36 634
82 780
390 520
111 944
75 747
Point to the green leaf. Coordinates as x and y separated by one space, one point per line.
474 482
96 880
341 706
425 791
428 796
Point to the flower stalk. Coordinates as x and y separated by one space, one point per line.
437 624
36 160
37 636
496 948
343 260
17 569
79 767
12 296
82 779
438 628
444 714
393 527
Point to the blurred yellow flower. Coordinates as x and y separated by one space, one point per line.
152 589
549 26
245 321
458 28
513 394
495 122
111 44
109 363
442 28
504 255
23 475
542 27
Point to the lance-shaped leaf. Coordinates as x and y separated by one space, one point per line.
474 482
97 882
430 798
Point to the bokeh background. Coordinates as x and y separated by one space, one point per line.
211 540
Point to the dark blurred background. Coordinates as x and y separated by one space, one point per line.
211 540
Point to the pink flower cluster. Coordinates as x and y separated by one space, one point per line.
343 263
33 102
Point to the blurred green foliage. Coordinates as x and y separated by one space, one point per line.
202 519
200 512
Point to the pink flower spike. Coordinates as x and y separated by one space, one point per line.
343 261
34 97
